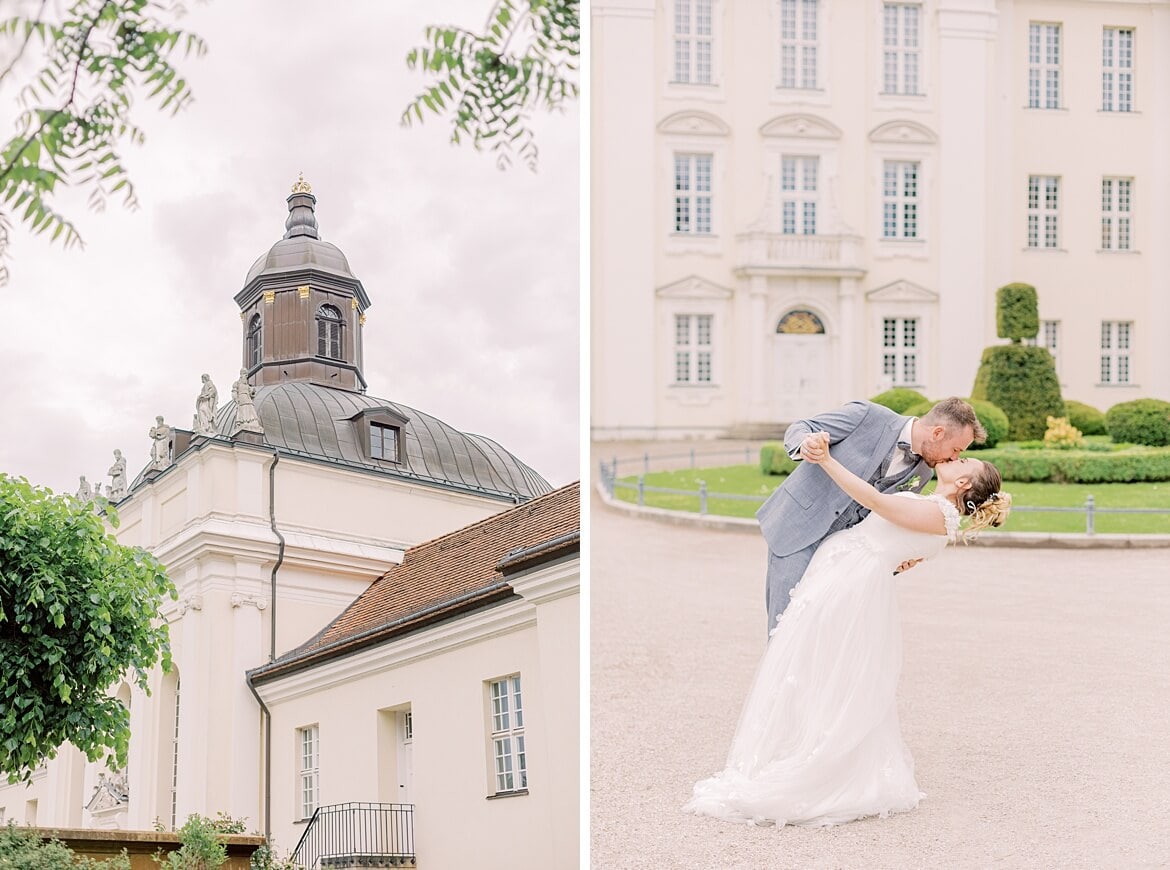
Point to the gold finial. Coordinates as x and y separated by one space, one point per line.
302 186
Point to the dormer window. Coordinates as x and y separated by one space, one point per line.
329 332
379 431
384 442
254 345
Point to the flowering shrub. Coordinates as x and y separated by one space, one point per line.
1063 435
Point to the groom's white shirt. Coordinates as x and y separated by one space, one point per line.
900 462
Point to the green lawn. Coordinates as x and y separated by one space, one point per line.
747 480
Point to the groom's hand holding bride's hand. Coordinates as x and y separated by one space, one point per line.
815 447
907 565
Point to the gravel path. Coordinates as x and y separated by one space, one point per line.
1035 697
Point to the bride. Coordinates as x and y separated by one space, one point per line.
818 740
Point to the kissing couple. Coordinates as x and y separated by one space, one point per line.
818 741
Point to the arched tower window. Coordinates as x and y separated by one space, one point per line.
254 342
329 332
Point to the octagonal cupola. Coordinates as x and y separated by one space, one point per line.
302 308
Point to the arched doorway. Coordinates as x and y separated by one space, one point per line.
803 366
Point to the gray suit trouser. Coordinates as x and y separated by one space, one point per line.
784 572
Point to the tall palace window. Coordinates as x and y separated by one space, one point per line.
329 332
1117 69
255 342
693 39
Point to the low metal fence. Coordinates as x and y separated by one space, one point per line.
358 835
608 472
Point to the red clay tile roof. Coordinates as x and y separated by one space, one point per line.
458 571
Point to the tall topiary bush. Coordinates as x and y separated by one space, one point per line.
1142 421
1019 379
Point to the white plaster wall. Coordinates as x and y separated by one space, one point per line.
980 145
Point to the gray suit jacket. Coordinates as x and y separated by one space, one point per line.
801 511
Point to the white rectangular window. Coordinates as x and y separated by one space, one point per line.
900 350
1116 338
1117 69
507 716
1043 66
901 48
692 193
798 195
693 42
798 44
1116 213
692 348
308 748
900 199
1043 211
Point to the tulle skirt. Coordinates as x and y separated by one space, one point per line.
818 741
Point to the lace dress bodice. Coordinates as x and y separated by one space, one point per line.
892 544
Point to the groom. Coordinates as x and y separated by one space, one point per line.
889 450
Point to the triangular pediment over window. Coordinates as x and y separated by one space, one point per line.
693 287
902 291
800 127
692 123
903 133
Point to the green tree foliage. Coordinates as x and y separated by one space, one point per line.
994 420
88 59
1017 313
899 399
1018 379
78 613
1085 417
1142 421
490 83
23 849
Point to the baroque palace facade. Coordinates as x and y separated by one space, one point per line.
376 628
796 203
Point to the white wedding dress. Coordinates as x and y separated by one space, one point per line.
818 740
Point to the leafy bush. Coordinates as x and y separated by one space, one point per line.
993 419
774 459
85 610
1085 417
1061 435
1081 466
23 849
1142 421
1017 312
899 399
1020 380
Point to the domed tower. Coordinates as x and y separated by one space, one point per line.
302 308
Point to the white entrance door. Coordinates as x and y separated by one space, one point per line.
405 757
803 375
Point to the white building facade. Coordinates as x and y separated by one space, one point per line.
270 531
796 203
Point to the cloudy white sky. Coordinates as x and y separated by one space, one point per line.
473 272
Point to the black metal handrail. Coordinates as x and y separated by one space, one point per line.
358 834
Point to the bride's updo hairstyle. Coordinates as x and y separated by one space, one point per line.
983 502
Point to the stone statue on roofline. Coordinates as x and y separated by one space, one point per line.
85 491
160 450
116 491
246 419
205 407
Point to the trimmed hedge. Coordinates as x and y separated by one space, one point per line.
774 458
1081 466
1085 417
1142 421
993 419
899 399
1021 380
1017 312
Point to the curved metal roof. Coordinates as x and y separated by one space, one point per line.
300 252
316 421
